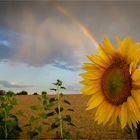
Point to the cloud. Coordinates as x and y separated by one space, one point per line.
9 84
56 42
5 43
67 66
41 36
73 87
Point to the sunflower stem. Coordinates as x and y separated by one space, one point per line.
59 112
5 125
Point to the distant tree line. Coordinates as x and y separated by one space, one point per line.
3 92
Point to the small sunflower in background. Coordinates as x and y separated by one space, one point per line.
113 81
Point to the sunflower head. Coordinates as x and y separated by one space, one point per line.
112 79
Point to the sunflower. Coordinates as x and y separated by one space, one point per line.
112 79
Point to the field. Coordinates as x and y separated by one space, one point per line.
86 127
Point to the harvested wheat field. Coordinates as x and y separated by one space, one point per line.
86 127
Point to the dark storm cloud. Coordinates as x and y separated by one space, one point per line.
38 33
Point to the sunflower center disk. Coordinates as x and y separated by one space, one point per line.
116 83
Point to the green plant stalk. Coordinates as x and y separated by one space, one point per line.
30 131
59 113
5 125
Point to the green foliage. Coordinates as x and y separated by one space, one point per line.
54 125
51 100
32 131
67 118
32 119
20 113
43 116
2 92
22 93
57 109
50 114
35 93
35 107
60 120
46 111
9 126
13 101
67 135
45 103
44 93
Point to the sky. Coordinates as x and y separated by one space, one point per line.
41 42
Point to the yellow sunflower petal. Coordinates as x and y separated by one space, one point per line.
115 115
103 55
133 108
133 119
123 115
138 54
108 47
132 67
123 48
101 79
89 90
136 75
91 82
95 70
91 76
97 60
136 83
95 100
129 122
109 112
118 41
101 114
127 49
99 109
85 82
90 67
136 96
132 49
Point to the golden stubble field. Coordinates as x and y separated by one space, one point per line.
86 127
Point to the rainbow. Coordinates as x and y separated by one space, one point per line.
82 27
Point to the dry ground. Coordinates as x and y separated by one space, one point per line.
86 127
